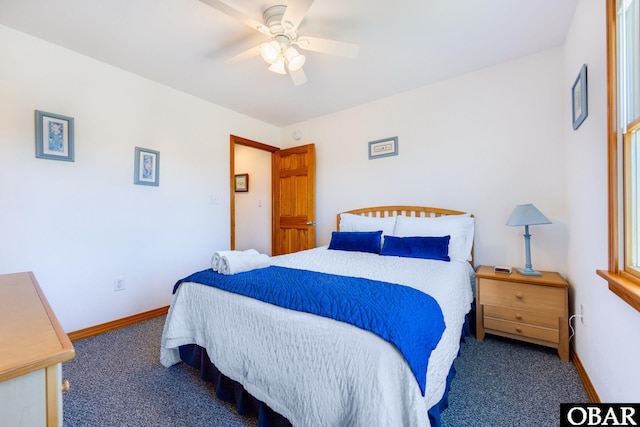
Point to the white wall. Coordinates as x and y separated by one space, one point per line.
79 225
607 341
253 209
481 143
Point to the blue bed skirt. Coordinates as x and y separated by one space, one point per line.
233 392
229 390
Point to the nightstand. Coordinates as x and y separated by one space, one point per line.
527 308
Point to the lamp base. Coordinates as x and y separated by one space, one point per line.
529 272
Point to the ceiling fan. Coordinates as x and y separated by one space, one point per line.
281 26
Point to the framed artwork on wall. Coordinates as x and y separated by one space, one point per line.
383 148
579 103
54 137
146 167
241 184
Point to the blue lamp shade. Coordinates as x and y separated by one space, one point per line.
527 215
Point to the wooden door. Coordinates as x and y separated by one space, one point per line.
294 199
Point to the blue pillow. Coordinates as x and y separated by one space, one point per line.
417 247
357 241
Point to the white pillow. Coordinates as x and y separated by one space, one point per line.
459 227
351 222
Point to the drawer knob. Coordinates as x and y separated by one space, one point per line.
519 316
519 296
65 386
519 330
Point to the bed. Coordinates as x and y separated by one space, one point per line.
309 370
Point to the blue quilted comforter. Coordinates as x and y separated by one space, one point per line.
401 315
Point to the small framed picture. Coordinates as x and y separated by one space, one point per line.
579 98
383 148
147 167
242 183
54 137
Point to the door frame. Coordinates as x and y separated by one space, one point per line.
233 141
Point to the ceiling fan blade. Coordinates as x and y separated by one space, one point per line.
298 77
234 13
333 47
247 54
294 14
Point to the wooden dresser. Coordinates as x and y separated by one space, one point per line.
32 349
527 308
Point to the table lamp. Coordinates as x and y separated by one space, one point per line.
527 215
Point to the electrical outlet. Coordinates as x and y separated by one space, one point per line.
582 314
118 284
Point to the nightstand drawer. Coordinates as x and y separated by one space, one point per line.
542 299
521 329
521 316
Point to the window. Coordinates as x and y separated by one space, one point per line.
623 30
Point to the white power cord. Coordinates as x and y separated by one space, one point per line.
573 331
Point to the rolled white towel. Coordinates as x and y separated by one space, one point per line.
217 256
239 262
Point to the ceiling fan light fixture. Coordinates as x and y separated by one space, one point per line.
270 51
295 61
280 24
278 67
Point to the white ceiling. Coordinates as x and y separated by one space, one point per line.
404 44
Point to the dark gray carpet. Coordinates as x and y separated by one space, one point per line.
501 382
117 380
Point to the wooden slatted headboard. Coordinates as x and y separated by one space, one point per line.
416 211
385 211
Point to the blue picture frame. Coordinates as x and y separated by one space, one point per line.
579 104
54 137
383 148
146 167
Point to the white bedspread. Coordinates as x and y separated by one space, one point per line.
317 371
